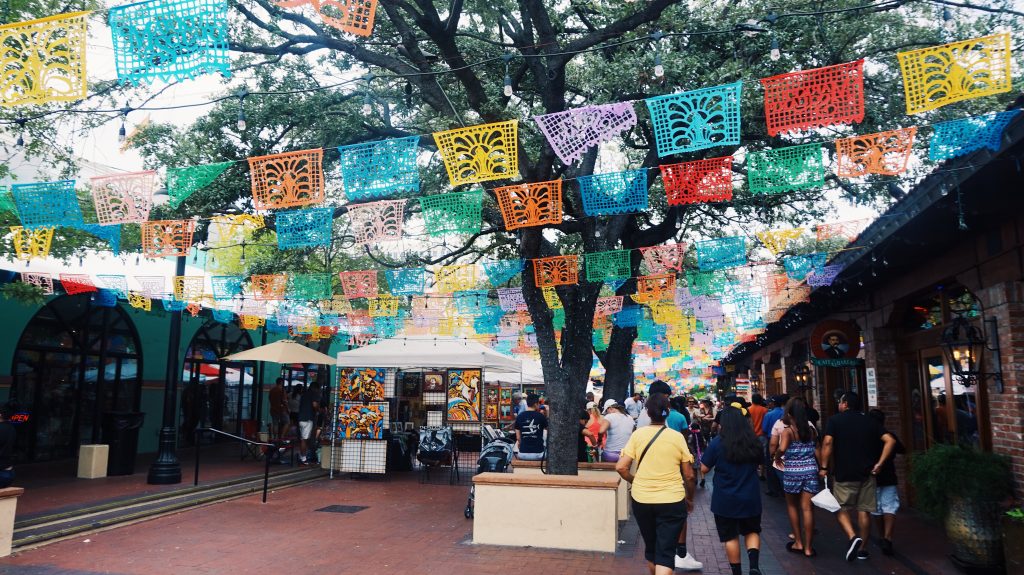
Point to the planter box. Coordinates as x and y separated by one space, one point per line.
1013 545
8 507
601 469
564 512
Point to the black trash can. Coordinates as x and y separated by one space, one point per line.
121 433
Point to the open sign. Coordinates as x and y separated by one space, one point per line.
20 417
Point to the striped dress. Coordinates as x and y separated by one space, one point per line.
801 468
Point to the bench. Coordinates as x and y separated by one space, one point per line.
8 506
600 469
554 511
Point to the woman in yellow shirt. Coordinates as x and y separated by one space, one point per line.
660 504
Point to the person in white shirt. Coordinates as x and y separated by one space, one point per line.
634 405
620 427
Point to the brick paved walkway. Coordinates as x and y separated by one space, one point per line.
410 528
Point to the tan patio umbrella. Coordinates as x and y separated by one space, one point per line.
283 351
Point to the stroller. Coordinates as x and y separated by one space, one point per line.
495 456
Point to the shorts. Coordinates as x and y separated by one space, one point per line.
305 429
610 456
660 525
888 500
280 418
796 483
730 528
859 495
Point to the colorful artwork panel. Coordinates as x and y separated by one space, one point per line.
814 98
464 388
361 383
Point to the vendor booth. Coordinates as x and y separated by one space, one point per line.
390 390
500 387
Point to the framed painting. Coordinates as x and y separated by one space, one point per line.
359 421
434 381
361 384
464 386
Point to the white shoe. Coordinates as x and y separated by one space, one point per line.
688 563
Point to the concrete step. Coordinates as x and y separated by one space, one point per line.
39 530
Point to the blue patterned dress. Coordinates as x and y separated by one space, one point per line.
801 468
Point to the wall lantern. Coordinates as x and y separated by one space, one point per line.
964 344
802 376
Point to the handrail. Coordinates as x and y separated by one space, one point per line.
266 457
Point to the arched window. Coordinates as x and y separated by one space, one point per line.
75 361
216 393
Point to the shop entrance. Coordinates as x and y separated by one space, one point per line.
216 393
74 361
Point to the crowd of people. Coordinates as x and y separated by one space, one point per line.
664 446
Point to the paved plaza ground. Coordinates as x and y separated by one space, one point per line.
406 527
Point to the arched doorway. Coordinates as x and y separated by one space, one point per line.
75 361
216 393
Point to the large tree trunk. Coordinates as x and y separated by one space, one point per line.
618 364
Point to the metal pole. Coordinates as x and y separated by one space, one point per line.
166 469
198 447
258 387
266 474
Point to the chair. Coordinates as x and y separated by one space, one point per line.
250 431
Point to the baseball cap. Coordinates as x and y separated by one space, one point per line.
591 405
611 403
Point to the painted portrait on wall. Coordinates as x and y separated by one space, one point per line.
361 384
464 394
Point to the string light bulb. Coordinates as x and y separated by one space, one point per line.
20 143
367 104
775 54
659 68
507 90
121 132
242 93
947 20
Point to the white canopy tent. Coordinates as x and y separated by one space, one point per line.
426 352
532 374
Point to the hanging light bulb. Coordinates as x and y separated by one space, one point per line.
408 95
20 144
242 93
507 90
947 20
367 104
121 132
659 69
775 53
241 260
241 120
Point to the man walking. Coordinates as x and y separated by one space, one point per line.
309 405
634 405
857 446
279 419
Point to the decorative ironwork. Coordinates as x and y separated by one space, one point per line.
941 75
306 228
525 205
601 266
287 180
123 198
501 271
961 137
269 287
377 221
572 132
406 281
786 169
453 212
361 283
31 244
696 120
668 258
352 16
883 153
721 253
170 40
165 238
556 271
814 98
44 204
380 169
480 153
614 193
44 60
183 182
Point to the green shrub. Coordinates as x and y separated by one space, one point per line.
948 471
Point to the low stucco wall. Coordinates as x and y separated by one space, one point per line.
586 470
571 512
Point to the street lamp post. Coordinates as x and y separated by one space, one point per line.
166 469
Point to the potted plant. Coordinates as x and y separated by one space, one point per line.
964 487
1013 540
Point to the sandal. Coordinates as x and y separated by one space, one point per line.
789 547
813 553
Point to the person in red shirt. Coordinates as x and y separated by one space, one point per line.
757 410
